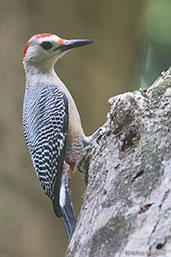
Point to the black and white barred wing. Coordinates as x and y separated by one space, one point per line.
45 122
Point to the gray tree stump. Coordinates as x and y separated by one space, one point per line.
126 209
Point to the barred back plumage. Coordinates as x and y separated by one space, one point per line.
45 123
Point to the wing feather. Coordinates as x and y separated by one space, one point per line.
45 123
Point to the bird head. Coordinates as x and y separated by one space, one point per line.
47 48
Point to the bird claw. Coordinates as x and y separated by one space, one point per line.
82 165
83 168
98 133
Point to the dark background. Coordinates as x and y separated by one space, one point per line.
132 46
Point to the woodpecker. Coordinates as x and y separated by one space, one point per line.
51 122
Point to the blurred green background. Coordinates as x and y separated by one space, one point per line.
132 47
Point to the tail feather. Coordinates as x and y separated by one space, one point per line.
68 217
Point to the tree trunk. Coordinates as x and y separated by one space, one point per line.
126 209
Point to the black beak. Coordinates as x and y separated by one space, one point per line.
73 43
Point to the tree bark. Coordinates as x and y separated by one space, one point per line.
126 209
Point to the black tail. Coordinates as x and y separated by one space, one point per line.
68 217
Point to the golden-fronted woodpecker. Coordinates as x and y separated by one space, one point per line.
51 122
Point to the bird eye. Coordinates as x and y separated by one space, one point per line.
46 45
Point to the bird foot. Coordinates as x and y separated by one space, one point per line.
83 164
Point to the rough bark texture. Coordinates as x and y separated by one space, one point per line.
126 208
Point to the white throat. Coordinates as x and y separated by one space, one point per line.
44 73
